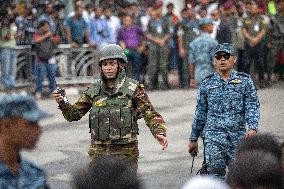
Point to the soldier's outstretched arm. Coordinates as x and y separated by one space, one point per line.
144 108
76 111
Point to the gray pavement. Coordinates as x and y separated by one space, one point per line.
63 146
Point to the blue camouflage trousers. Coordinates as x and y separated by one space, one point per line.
220 152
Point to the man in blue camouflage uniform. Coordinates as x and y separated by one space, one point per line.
227 102
201 53
19 129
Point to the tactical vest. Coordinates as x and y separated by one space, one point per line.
111 116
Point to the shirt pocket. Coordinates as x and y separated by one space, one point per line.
215 99
235 98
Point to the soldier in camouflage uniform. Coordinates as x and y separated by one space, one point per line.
115 103
227 102
188 30
254 30
158 34
201 53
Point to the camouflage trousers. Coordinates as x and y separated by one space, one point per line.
129 151
157 64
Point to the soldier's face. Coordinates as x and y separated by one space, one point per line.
224 61
110 68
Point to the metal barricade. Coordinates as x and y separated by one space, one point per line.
75 65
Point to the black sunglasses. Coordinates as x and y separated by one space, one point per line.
225 55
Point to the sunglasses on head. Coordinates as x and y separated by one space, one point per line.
225 55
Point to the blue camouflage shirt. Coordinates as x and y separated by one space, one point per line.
29 177
201 53
226 108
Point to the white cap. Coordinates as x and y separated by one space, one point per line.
205 182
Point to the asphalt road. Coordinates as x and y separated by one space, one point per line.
63 146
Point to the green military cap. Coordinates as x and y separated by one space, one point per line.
225 47
204 21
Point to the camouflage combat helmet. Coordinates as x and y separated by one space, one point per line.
112 51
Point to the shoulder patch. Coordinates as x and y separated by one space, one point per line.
243 74
132 81
129 86
207 77
132 86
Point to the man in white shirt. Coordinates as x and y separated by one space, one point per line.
113 22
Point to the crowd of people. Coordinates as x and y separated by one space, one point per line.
155 43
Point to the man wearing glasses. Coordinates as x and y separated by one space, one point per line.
115 103
227 109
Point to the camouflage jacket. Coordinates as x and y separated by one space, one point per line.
141 107
226 108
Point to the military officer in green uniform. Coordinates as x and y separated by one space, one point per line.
115 103
187 31
254 31
158 34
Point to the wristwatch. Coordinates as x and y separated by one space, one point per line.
193 140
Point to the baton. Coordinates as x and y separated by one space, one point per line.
193 156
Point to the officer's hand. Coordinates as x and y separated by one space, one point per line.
57 96
193 148
250 133
162 140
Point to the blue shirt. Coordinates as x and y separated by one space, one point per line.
225 108
29 177
201 53
77 28
100 32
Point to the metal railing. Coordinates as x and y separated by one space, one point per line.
78 65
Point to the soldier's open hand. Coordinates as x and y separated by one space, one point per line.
162 139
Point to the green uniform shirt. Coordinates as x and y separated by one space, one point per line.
159 28
254 25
